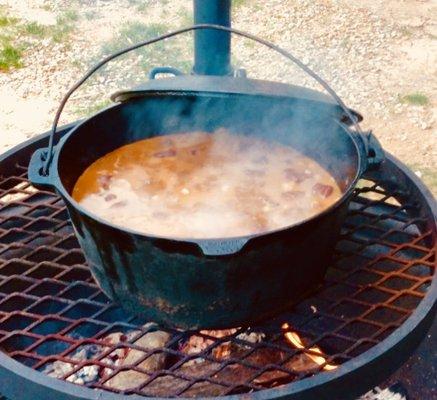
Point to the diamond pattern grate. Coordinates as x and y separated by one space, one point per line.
53 315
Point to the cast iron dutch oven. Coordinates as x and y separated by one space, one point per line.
223 282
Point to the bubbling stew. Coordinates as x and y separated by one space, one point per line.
205 185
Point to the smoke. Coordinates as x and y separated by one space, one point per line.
209 186
301 119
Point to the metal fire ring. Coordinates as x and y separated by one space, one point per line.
351 379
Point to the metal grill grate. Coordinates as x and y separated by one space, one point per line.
54 318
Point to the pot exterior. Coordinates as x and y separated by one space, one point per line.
194 285
173 283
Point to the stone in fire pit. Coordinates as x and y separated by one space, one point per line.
122 356
205 352
129 379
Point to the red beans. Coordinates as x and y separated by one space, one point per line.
323 190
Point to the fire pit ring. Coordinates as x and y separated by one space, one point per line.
21 233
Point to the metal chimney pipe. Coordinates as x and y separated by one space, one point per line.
212 49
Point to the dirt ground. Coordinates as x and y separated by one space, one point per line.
380 55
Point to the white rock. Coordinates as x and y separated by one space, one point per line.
424 126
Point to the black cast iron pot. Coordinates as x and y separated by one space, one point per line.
213 283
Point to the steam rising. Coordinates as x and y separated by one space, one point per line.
302 119
200 185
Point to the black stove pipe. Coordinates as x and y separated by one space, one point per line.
212 48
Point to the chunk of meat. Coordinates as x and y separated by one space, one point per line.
104 181
323 190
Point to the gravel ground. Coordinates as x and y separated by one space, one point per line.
372 52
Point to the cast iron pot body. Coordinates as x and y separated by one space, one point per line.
214 283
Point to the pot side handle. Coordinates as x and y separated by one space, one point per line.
35 170
371 150
221 247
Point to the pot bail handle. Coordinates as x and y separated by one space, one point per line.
286 54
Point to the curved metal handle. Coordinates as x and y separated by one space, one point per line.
286 54
372 150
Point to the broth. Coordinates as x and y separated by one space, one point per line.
200 185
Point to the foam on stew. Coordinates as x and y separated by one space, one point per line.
205 185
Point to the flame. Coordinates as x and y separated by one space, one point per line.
313 352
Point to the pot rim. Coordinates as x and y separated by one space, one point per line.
57 183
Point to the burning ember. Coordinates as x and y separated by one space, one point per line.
313 352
